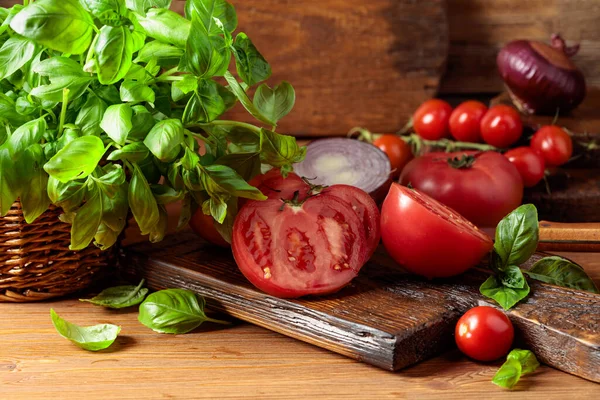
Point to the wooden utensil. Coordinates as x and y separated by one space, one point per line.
384 317
556 236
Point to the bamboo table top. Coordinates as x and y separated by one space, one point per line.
231 362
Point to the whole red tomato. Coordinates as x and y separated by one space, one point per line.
529 164
430 121
465 121
397 150
292 248
481 186
428 238
203 226
273 185
553 144
484 334
501 126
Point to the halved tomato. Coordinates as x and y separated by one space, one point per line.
428 238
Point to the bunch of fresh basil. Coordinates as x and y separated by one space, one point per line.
103 104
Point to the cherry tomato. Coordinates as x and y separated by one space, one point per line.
292 249
428 238
430 121
501 126
482 186
554 145
203 226
484 333
465 121
529 164
397 150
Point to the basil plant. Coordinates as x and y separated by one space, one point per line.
108 106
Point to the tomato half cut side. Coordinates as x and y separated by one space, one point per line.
288 250
427 237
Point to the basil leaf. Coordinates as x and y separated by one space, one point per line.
99 7
275 103
247 165
114 52
34 196
216 207
105 237
512 277
518 362
165 194
114 211
76 160
119 296
225 228
207 10
251 66
158 231
141 6
211 104
90 115
14 54
24 136
9 113
109 94
68 196
221 179
133 152
561 272
86 223
26 106
9 15
8 184
92 338
506 296
63 73
186 212
280 150
142 202
116 122
111 181
173 311
165 54
166 26
164 139
61 25
142 122
132 91
205 55
241 95
517 235
179 89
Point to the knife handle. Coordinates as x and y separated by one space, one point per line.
555 236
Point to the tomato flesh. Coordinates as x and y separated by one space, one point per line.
553 144
484 334
428 238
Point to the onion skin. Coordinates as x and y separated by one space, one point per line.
540 78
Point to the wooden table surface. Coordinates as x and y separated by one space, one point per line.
232 362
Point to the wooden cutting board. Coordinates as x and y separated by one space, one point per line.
384 317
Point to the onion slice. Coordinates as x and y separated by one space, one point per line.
346 161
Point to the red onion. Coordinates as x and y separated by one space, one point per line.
346 161
541 79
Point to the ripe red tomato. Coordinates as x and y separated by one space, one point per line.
484 333
430 121
275 186
529 164
501 126
483 188
428 238
397 150
554 145
465 121
312 247
203 226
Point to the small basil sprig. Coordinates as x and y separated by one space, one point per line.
174 311
119 296
518 363
517 238
92 338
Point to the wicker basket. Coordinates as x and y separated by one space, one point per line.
35 260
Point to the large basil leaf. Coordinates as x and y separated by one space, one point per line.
8 182
221 180
275 103
247 165
207 10
9 113
164 139
63 73
8 15
166 26
251 66
14 54
117 123
517 236
92 338
76 160
24 136
111 181
158 232
561 272
115 209
61 25
180 88
165 54
68 196
208 103
242 96
99 7
90 115
133 152
173 311
105 237
142 202
518 362
119 296
280 150
114 52
512 277
166 194
141 6
87 220
506 296
34 196
205 55
136 92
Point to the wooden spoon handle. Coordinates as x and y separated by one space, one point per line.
556 236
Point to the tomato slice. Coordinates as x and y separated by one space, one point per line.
288 250
365 207
427 237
